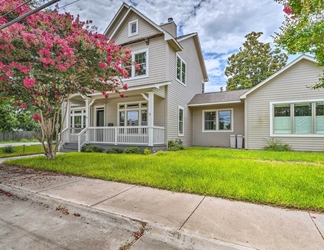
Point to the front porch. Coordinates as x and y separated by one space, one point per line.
107 137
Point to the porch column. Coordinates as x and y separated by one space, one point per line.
150 118
87 123
68 121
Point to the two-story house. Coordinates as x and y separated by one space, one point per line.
155 107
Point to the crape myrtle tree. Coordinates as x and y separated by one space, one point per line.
254 62
303 29
48 57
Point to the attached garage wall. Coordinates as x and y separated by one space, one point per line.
217 139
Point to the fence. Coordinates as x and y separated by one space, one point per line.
17 135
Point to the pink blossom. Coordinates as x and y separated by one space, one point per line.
106 95
36 117
122 95
9 73
29 82
57 96
24 106
102 65
125 86
288 10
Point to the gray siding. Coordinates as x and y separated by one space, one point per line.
159 111
180 95
144 30
294 84
217 139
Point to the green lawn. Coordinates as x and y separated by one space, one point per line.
286 179
20 150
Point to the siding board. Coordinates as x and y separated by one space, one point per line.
294 84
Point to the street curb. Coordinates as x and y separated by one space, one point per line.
153 234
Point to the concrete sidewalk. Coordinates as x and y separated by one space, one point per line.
187 221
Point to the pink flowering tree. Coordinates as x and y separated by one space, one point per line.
303 29
49 56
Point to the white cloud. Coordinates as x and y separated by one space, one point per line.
221 24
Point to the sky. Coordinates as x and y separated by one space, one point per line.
221 24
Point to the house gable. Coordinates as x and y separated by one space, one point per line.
291 86
116 29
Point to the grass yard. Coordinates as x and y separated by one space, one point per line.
20 150
286 179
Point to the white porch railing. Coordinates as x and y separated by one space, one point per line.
63 137
135 135
81 139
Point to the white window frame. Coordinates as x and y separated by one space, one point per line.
130 33
313 134
101 107
132 76
217 130
139 109
182 62
181 108
83 123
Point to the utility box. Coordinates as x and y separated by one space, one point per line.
233 141
239 141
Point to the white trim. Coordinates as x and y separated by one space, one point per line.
217 130
139 109
130 23
95 114
133 77
213 103
181 108
271 113
157 86
167 36
309 58
186 69
187 36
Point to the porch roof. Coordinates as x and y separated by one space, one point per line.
223 97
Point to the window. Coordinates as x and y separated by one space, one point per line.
180 121
78 120
133 28
132 114
141 58
217 120
299 118
181 70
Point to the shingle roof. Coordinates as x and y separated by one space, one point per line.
217 97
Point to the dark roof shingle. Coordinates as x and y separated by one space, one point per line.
217 97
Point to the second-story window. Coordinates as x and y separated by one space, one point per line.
141 58
181 70
133 28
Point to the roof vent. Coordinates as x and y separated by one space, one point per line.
170 19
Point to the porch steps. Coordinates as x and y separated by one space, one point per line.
70 147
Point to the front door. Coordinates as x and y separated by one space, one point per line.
100 122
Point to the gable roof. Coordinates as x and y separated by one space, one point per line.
124 11
298 59
224 97
199 50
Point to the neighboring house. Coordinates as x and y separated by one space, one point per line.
154 109
284 107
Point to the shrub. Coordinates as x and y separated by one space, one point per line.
160 153
276 145
9 149
147 151
133 150
91 149
24 140
114 151
175 146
